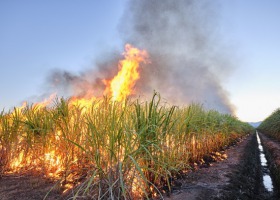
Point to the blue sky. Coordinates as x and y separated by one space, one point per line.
253 29
39 36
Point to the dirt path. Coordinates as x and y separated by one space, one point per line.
236 177
16 187
209 182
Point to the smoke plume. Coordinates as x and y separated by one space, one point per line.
188 63
187 59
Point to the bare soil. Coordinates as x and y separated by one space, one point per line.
205 183
235 176
26 187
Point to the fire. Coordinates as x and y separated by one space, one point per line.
16 163
38 105
83 103
52 159
46 102
122 84
119 87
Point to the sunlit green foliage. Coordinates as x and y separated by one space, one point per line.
113 149
271 125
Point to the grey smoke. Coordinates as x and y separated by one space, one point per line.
188 60
87 83
187 57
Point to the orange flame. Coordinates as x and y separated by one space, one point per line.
119 88
122 84
45 102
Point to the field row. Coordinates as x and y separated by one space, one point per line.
112 149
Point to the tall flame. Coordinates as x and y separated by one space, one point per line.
123 83
119 87
49 158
